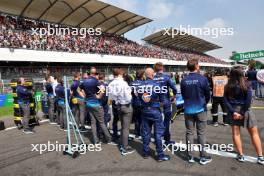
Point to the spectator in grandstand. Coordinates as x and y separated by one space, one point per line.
89 87
166 84
51 100
78 103
15 33
238 95
24 96
251 75
218 84
260 78
151 115
136 102
196 94
120 92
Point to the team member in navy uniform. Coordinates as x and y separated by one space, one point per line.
60 95
196 94
104 103
251 75
166 83
136 102
51 100
151 115
90 88
78 103
24 95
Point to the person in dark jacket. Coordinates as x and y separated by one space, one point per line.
251 75
60 96
78 103
136 102
24 96
166 83
150 99
237 97
196 94
51 100
90 88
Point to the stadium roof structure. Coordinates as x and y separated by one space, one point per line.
165 38
76 13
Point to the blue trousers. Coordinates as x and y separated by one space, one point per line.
137 119
152 118
167 120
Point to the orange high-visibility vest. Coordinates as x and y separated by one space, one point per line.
219 83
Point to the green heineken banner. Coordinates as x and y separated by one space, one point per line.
248 55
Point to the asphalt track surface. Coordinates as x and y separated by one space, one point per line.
17 159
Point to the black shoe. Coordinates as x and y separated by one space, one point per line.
146 155
205 160
82 129
96 143
127 151
215 124
130 138
137 137
163 158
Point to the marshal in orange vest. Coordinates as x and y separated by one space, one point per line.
219 83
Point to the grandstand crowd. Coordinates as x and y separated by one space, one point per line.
15 32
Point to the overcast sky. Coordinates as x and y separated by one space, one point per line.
246 17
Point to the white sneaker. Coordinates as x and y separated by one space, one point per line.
261 160
215 124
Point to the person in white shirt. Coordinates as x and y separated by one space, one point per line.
120 92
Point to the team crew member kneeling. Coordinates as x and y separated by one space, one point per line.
196 94
151 116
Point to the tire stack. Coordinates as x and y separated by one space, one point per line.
18 113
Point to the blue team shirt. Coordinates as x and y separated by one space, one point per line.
135 85
74 88
165 81
90 87
149 88
22 93
252 75
195 92
49 89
